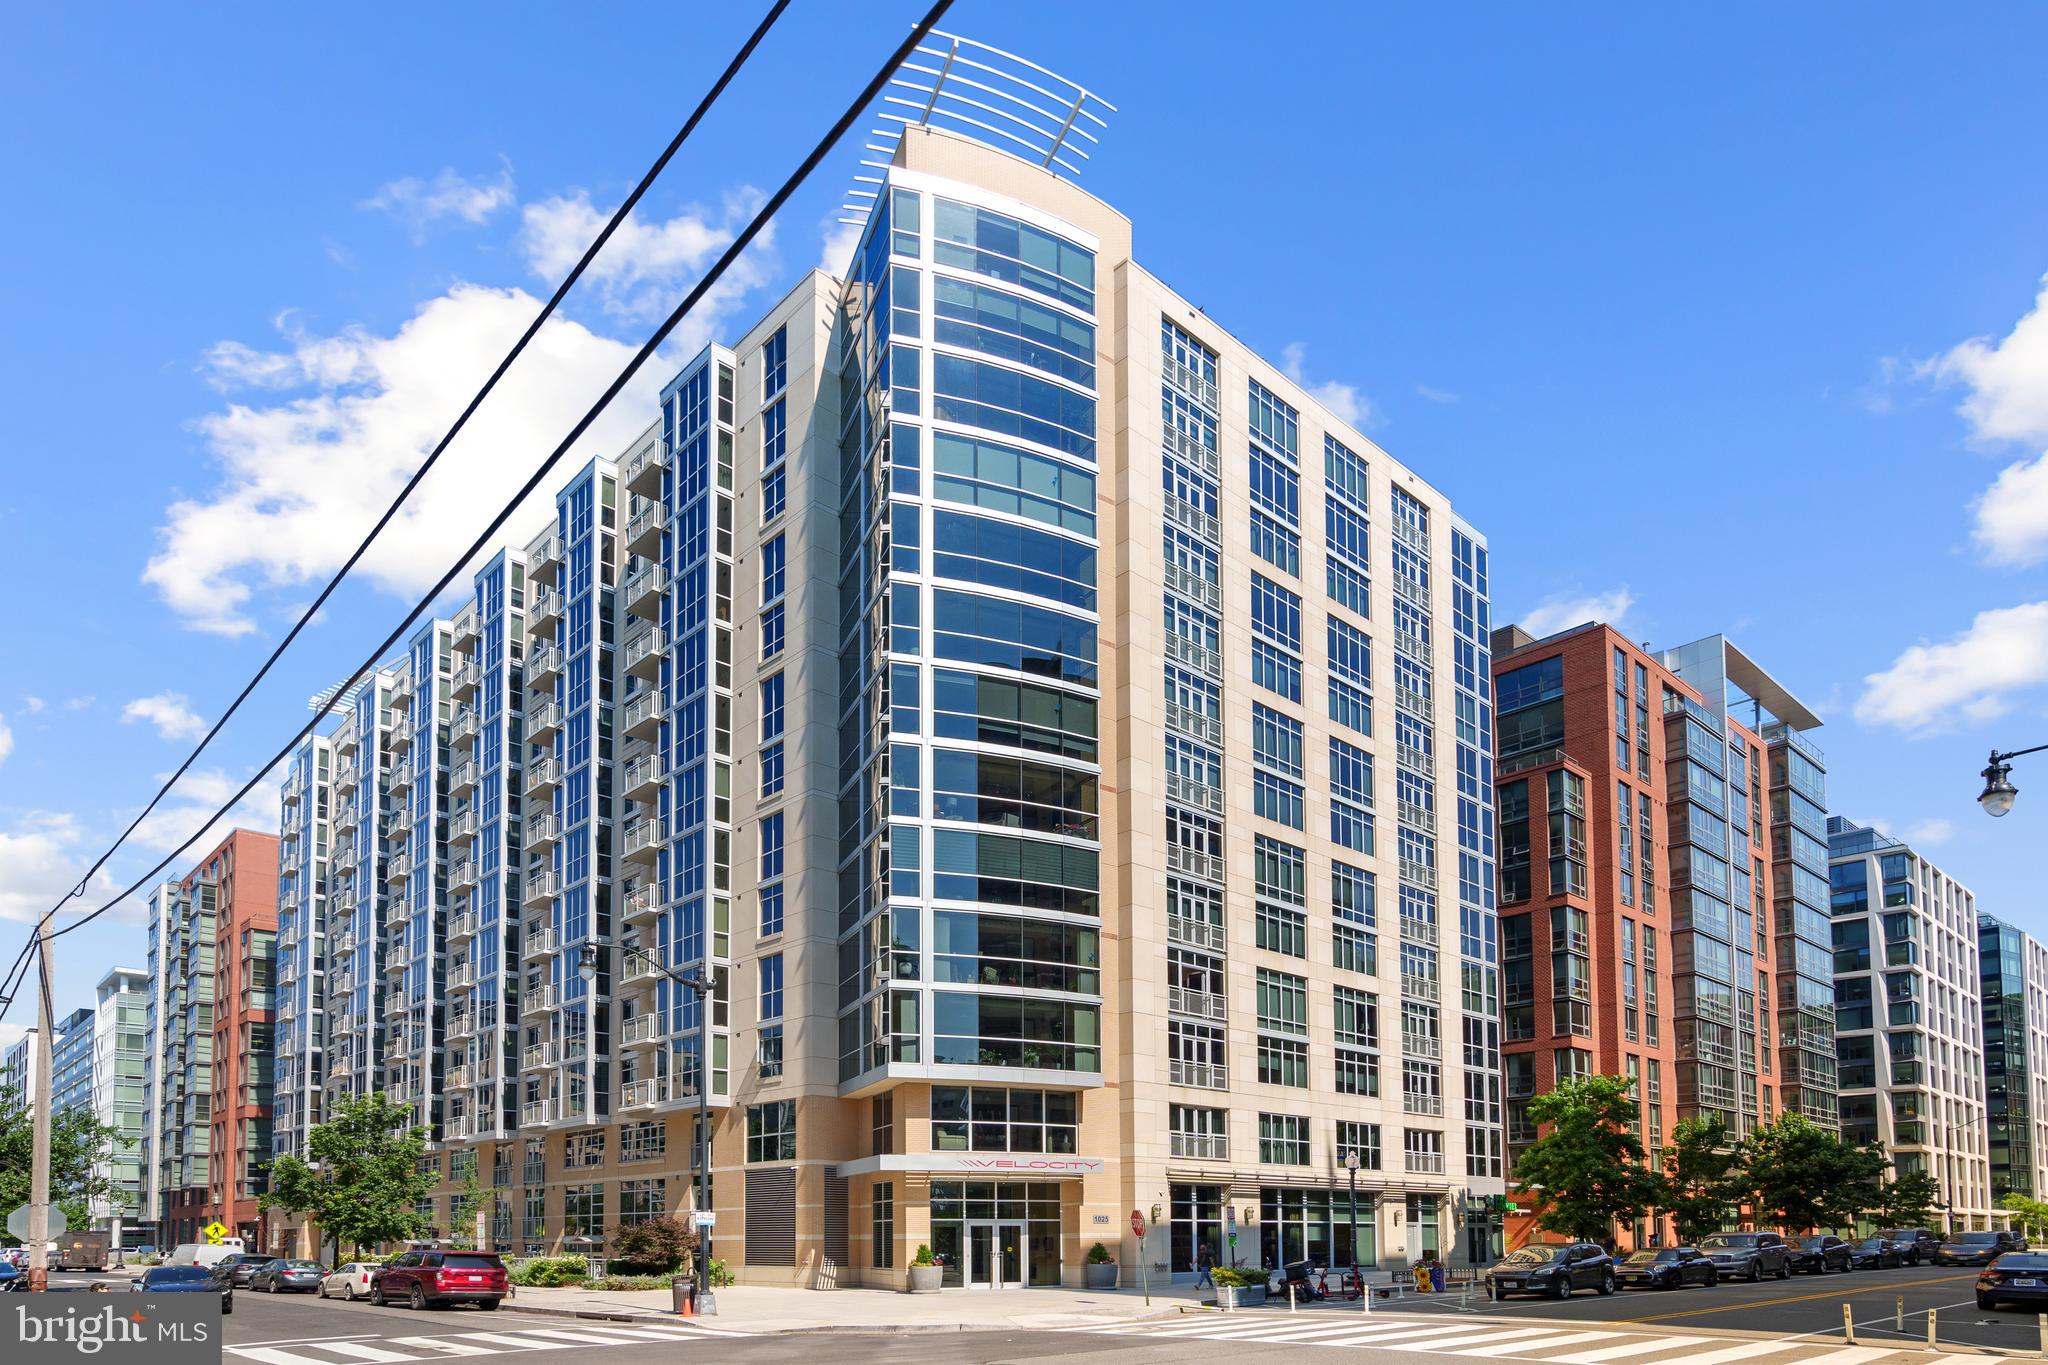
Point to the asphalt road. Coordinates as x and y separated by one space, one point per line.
1889 1306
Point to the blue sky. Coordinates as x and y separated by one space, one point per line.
1725 319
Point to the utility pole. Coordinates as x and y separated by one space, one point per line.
39 1178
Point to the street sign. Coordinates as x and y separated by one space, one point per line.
706 1219
17 1223
1230 1217
1137 1223
214 1232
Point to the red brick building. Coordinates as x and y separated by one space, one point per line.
243 870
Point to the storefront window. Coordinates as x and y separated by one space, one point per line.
958 1205
1314 1225
1197 1219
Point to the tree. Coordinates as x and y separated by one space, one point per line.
658 1244
1587 1168
1697 1185
469 1198
361 1179
81 1156
1908 1201
2030 1214
1800 1176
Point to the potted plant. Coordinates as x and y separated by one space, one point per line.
1101 1270
1238 1288
925 1271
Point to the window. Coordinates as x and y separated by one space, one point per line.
1358 1035
583 1210
1276 510
771 874
1423 1150
642 1141
775 364
774 562
1351 819
989 1118
771 1131
1283 1028
640 1200
772 631
1353 915
771 769
583 1150
1362 1138
882 1228
1199 1132
772 694
1276 638
1283 1139
1280 884
1276 745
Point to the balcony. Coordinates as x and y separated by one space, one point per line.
1418 874
643 532
642 1094
1200 658
644 838
1194 587
461 925
543 665
1192 451
542 941
401 776
1412 535
461 1023
1192 519
1414 702
462 873
1196 1004
543 720
1416 986
1409 590
1194 933
644 592
543 774
1411 644
541 1000
641 473
540 1057
544 613
399 868
641 901
463 726
642 777
462 682
1194 795
642 1028
1191 383
462 1077
543 831
1416 1045
1202 1146
462 777
1188 862
464 626
1417 930
1425 1163
398 738
1193 723
542 886
347 815
1202 1075
644 653
462 977
463 825
544 557
637 969
539 1114
344 943
1415 760
1415 816
641 717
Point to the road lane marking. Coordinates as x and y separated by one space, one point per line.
1797 1298
1516 1347
1633 1348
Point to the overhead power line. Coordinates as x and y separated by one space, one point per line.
739 244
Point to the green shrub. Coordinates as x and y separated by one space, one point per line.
1226 1277
549 1272
924 1255
655 1245
631 1282
721 1275
1099 1255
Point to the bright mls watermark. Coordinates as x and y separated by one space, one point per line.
46 1329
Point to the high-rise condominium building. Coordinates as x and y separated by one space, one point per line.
212 955
988 678
2013 982
120 1034
1636 934
1908 1015
18 1068
71 1062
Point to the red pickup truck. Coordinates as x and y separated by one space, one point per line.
435 1279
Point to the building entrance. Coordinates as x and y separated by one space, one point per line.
995 1255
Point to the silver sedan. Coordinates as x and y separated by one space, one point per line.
350 1281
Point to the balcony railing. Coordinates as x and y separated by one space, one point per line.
1414 759
462 777
544 557
642 713
1192 722
462 977
541 999
1417 1045
1203 1075
1193 451
1202 1146
1194 933
1201 658
1199 1004
1414 816
538 1114
1425 1163
1189 862
644 836
1191 383
542 830
542 886
1407 588
641 1028
542 941
644 773
1194 587
643 532
644 591
641 472
640 1094
1418 873
1415 986
464 625
641 900
1193 519
543 664
638 968
540 1056
543 719
543 773
1195 795
1416 930
461 873
1413 701
644 651
462 825
1411 534
1411 644
462 925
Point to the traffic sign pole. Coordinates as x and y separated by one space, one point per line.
39 1177
1138 1231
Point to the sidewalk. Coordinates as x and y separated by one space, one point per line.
757 1308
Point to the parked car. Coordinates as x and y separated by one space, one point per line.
1748 1255
242 1265
1917 1244
1669 1268
350 1281
435 1279
187 1279
1876 1253
280 1276
1977 1248
204 1253
1818 1255
1552 1270
2019 1278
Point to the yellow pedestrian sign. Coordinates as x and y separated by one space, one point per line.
214 1232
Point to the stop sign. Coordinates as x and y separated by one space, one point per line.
1137 1223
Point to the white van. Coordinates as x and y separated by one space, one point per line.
204 1253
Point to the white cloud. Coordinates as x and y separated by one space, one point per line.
2012 514
1930 832
645 268
2008 379
419 204
1436 395
80 703
40 863
1971 676
1344 400
168 712
33 705
192 803
1559 611
304 476
10 1034
6 739
840 240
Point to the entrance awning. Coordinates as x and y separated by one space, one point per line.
987 1165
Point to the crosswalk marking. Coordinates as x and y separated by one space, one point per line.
1483 1335
512 1343
1513 1347
445 1345
1626 1349
358 1350
439 1350
1856 1355
606 1335
1741 1351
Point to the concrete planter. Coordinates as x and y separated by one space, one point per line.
1099 1275
924 1279
1233 1296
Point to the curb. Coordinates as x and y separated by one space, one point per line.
839 1329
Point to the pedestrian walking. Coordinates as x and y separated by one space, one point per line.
1205 1261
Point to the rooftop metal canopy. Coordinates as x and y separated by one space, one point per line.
982 92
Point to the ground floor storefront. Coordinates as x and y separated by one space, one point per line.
1272 1225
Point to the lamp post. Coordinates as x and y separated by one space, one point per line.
1351 1169
1999 792
586 965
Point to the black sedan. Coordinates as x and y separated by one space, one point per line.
242 1265
1552 1270
1819 1255
187 1279
1973 1248
1669 1268
2019 1278
287 1277
1876 1253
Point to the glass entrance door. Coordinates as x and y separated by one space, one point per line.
995 1255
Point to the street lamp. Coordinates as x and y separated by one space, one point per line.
1999 792
1351 1169
586 966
